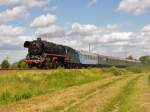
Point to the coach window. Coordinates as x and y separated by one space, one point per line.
84 56
66 51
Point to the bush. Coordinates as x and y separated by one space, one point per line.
5 64
19 64
115 71
22 64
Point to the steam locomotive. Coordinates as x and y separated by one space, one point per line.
43 54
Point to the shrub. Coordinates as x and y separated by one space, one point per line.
22 64
19 64
5 64
115 71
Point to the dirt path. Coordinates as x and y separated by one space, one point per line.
97 101
121 102
142 96
83 97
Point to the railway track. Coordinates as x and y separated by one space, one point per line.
23 69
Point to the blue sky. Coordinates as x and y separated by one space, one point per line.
102 13
113 27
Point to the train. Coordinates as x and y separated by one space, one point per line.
44 54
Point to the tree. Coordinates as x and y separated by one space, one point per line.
130 57
145 59
5 64
19 64
22 64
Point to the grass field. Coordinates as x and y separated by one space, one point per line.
81 90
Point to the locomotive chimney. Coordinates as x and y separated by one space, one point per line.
39 39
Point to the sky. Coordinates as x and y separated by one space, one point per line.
112 27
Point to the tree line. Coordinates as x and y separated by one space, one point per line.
5 64
144 59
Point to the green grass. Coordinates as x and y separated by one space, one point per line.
122 102
135 69
149 79
138 68
18 85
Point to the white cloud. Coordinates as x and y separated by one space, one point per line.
27 3
51 31
43 20
8 2
90 29
12 37
134 6
20 8
7 30
115 37
85 34
34 3
146 28
12 14
92 3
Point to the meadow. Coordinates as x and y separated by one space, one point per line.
75 90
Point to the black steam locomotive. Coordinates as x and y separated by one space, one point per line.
49 55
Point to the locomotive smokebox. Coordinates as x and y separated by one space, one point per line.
26 44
